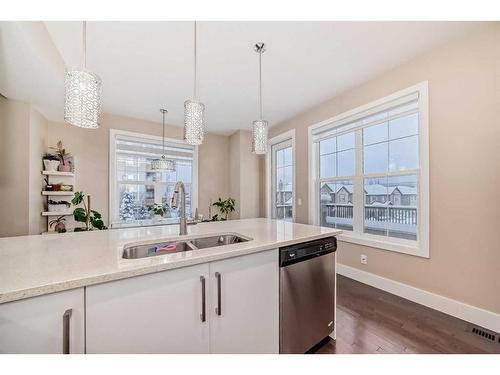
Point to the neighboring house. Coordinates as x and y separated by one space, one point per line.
343 195
375 194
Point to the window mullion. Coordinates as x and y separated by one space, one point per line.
358 198
158 185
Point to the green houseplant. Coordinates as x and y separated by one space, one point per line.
225 208
58 224
62 156
91 218
157 209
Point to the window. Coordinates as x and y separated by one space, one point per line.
134 186
280 187
369 173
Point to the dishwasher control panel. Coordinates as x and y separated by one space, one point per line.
306 250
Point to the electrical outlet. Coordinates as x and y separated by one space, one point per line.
299 201
364 259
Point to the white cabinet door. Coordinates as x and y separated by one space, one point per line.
248 318
155 313
37 325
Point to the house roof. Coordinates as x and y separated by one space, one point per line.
406 190
349 188
375 189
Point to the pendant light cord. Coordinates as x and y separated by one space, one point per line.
260 84
84 44
163 135
194 88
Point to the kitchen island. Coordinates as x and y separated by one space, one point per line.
107 295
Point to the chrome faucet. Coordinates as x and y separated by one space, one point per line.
179 187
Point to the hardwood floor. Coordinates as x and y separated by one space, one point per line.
370 320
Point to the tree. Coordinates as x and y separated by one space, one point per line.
127 211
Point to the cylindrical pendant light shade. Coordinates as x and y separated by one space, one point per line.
163 164
194 113
83 98
259 136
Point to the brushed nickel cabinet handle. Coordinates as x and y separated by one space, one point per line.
66 327
203 315
218 309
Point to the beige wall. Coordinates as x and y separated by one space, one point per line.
14 164
246 172
91 151
38 127
22 143
464 105
234 172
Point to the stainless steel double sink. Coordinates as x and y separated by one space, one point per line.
178 245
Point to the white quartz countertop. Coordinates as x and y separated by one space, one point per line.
42 264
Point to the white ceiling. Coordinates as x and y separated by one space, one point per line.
145 66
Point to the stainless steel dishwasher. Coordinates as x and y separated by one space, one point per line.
307 294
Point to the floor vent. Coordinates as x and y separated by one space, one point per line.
487 335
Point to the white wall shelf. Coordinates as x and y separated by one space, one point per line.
49 178
67 193
57 173
65 213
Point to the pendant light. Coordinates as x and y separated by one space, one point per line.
260 126
82 106
194 112
163 164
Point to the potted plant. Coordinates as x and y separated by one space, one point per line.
58 224
91 218
50 162
58 206
158 210
64 165
225 207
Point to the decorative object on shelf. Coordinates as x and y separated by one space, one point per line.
50 162
59 187
194 112
163 164
64 162
58 224
225 208
260 126
82 107
58 206
91 218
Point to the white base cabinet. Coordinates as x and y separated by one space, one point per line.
165 312
227 306
248 318
53 323
155 313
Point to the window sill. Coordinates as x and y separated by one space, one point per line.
399 246
143 223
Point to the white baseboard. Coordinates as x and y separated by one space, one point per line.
476 315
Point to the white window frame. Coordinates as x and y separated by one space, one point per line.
288 135
421 246
113 133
